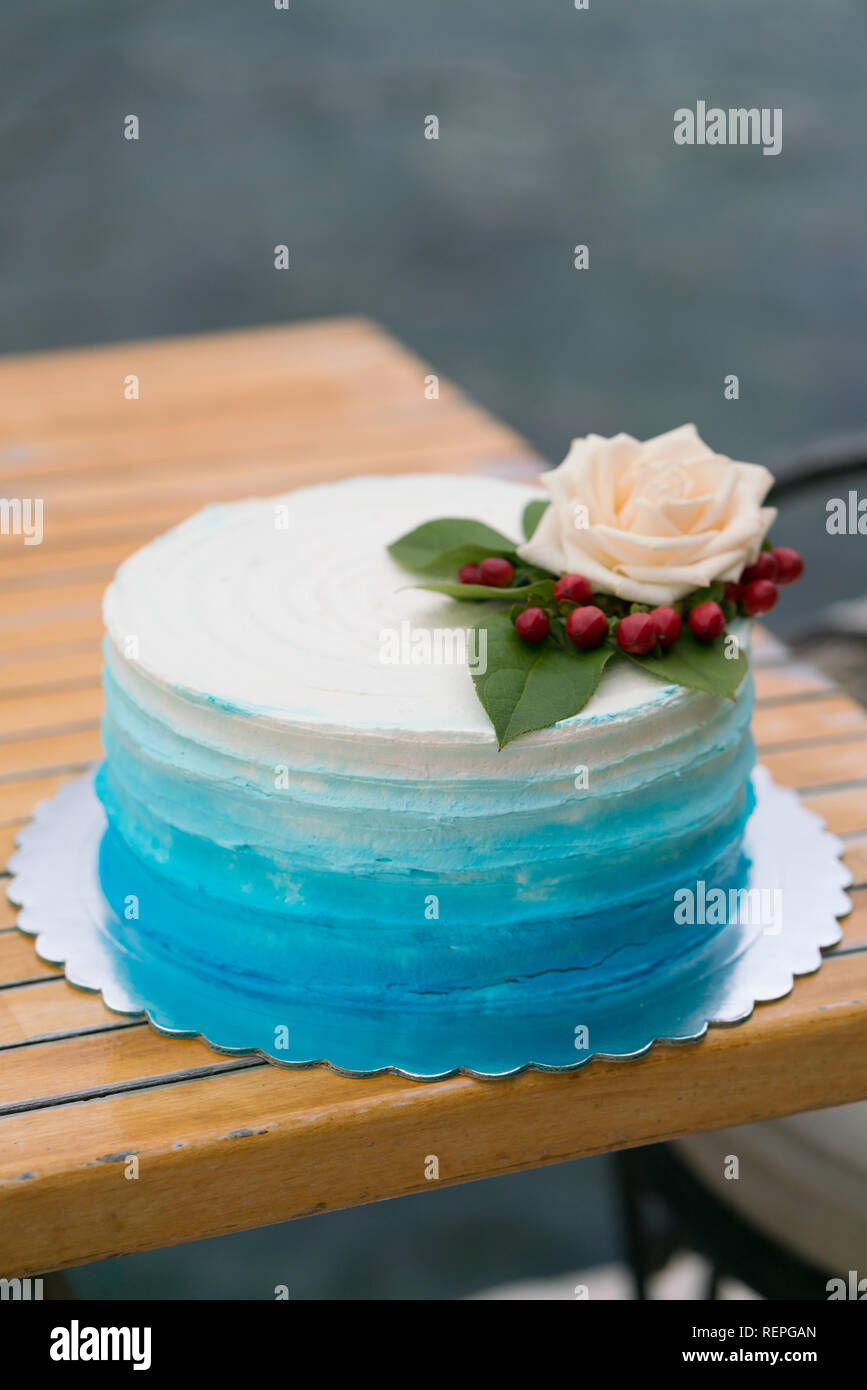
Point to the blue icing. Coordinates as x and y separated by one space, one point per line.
437 964
325 887
488 870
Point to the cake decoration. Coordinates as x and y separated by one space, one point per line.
298 844
297 816
647 551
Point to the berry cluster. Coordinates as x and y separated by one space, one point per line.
590 618
496 573
757 590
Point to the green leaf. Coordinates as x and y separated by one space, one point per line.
449 543
523 687
542 590
533 513
529 574
710 593
699 665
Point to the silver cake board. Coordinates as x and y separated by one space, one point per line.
797 883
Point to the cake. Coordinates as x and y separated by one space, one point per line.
306 799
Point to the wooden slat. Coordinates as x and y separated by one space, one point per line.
296 1143
17 798
263 472
855 857
7 844
844 812
63 668
18 609
50 562
328 379
109 452
69 387
8 913
89 1062
55 631
329 370
191 491
76 534
51 1010
832 717
19 961
789 681
855 925
825 765
49 753
61 711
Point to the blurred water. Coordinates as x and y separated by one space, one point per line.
261 127
556 127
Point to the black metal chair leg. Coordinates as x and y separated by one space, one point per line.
635 1236
713 1282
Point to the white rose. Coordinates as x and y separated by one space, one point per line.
651 521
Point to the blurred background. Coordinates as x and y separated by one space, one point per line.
306 127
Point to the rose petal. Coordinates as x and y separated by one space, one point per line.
630 546
678 444
648 519
664 517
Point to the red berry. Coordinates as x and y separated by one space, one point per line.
708 620
636 633
469 574
765 567
667 624
587 626
532 625
732 592
790 565
496 572
575 588
759 597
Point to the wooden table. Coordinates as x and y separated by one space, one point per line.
224 1144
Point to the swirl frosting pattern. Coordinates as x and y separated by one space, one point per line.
329 822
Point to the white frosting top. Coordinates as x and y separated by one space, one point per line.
291 607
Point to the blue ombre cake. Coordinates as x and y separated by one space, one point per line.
307 803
